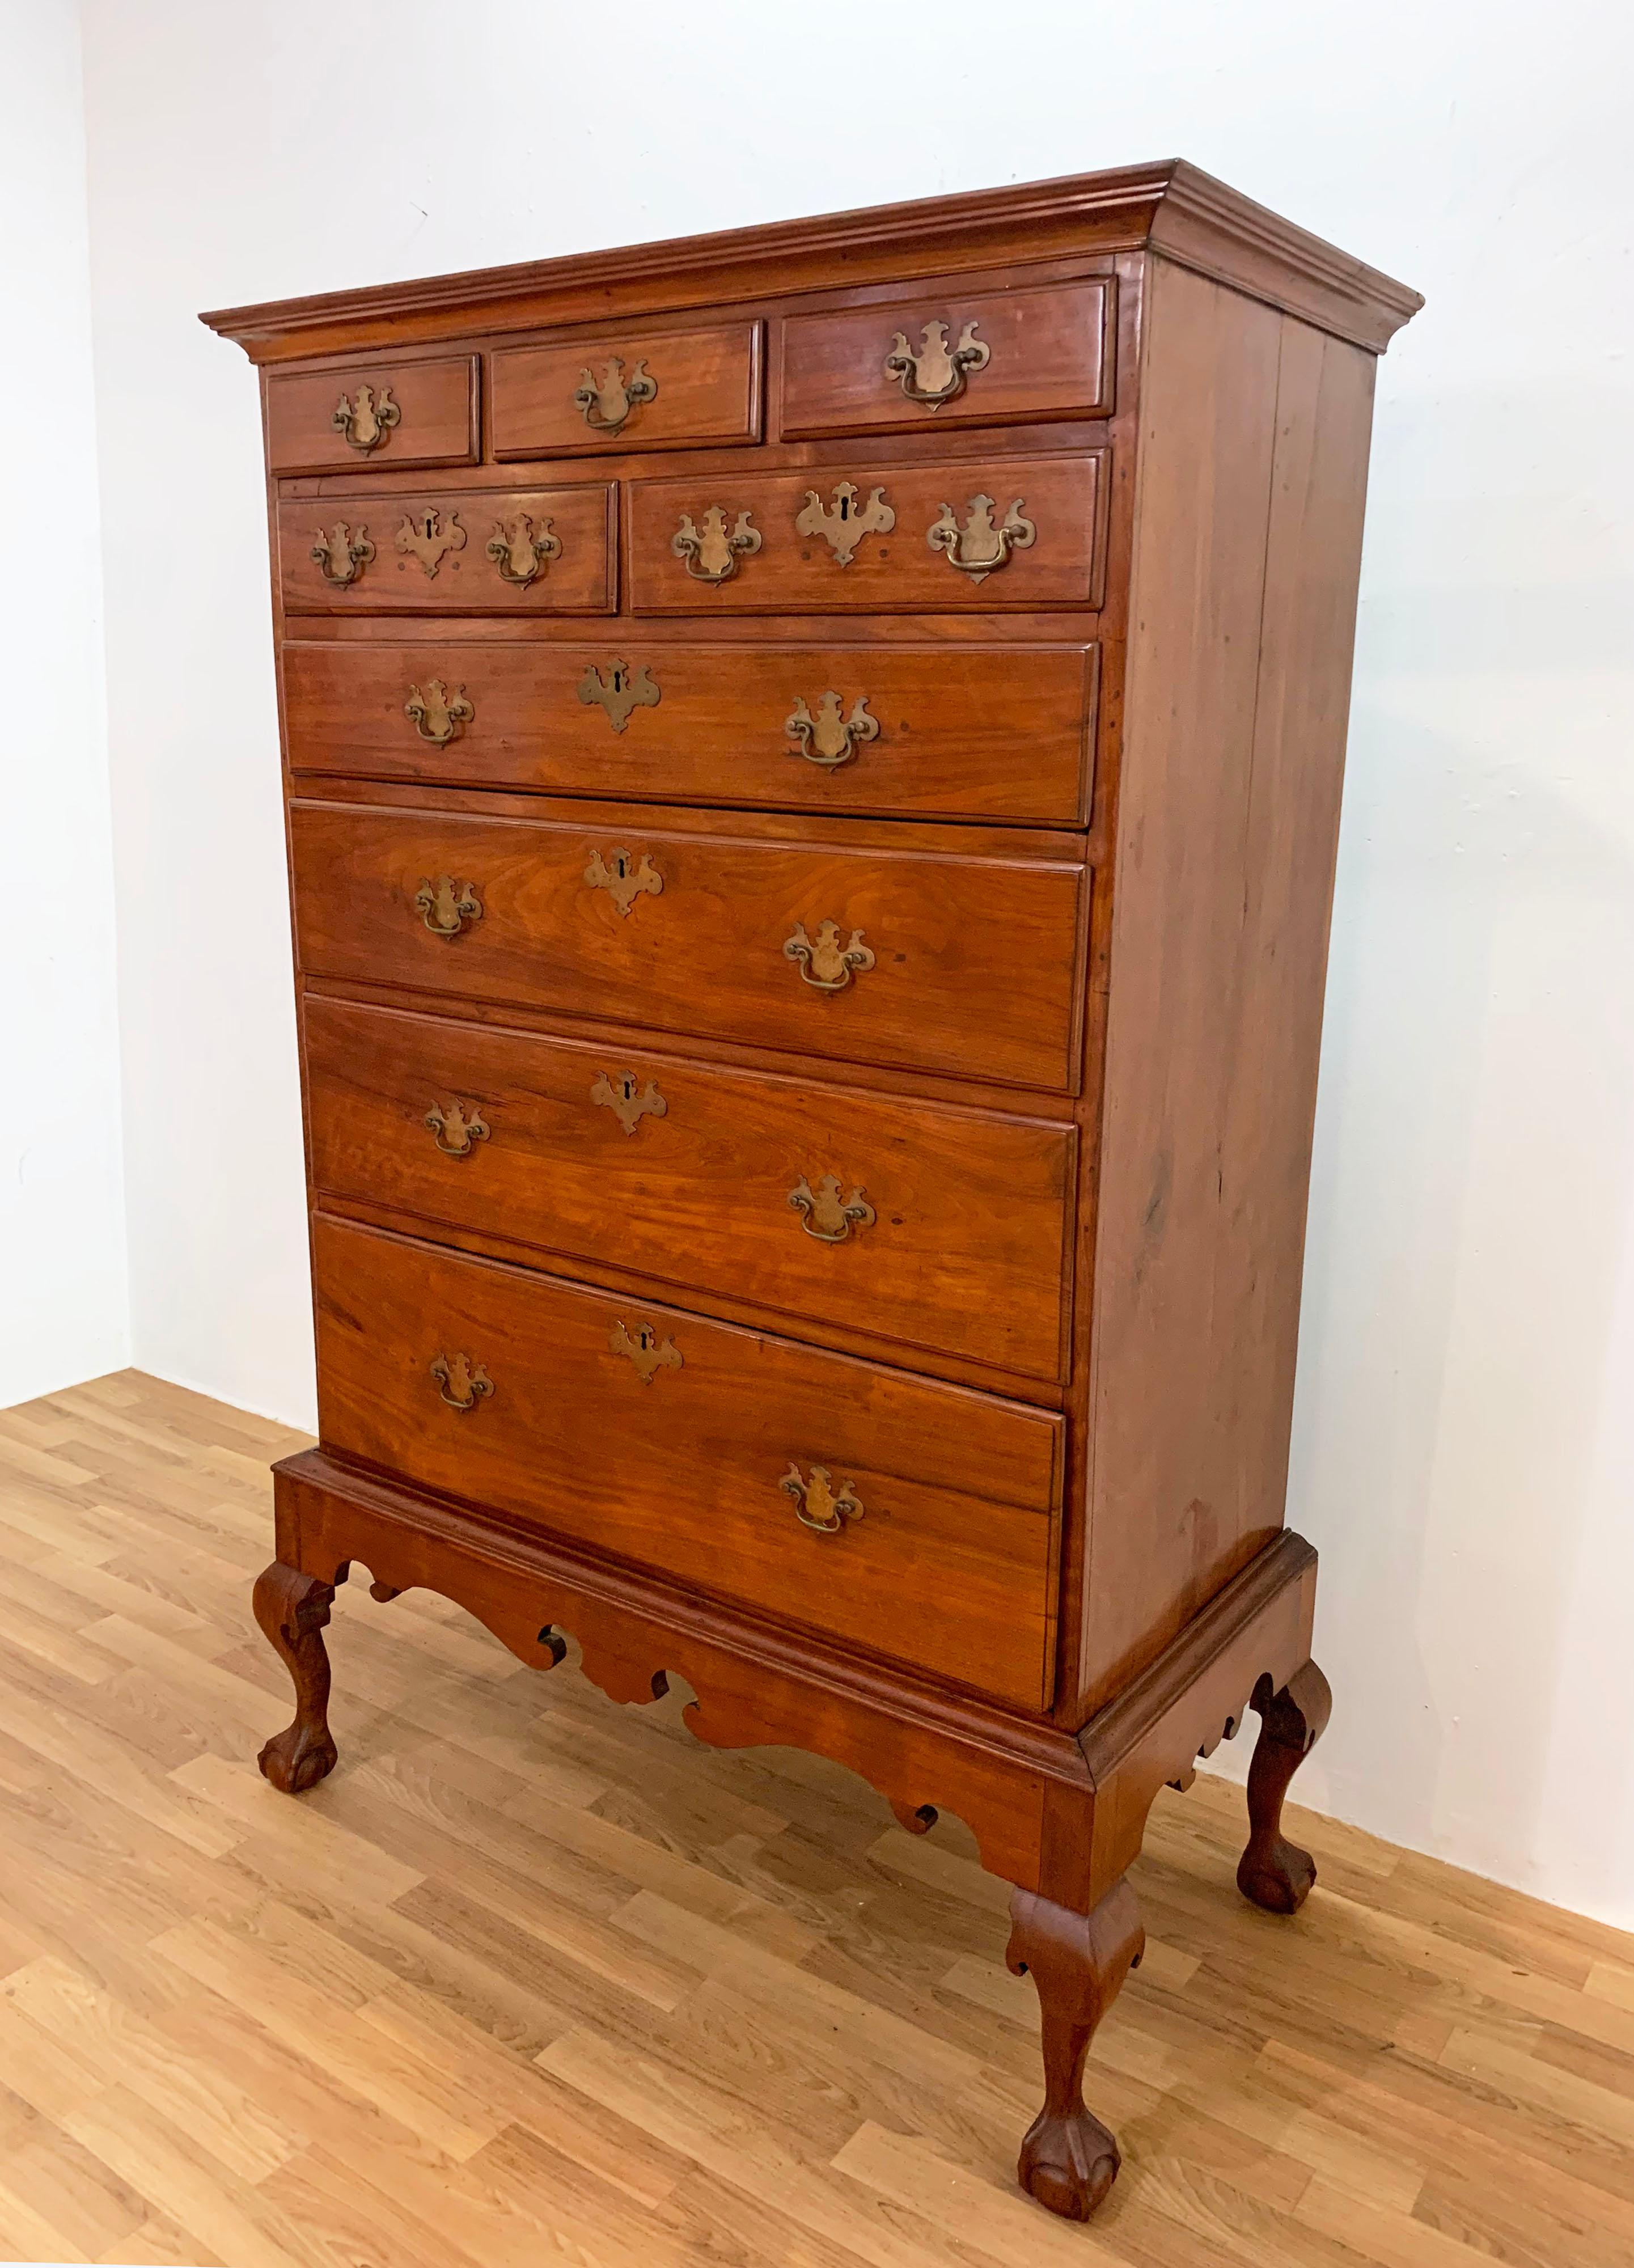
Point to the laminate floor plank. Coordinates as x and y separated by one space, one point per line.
536 1978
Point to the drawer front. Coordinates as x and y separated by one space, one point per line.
979 732
360 417
935 961
490 551
645 390
665 1440
985 534
944 1230
983 358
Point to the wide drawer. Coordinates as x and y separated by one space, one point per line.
633 390
913 1519
491 551
360 417
934 960
929 538
945 1230
980 732
975 358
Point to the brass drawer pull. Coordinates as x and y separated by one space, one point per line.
619 692
624 880
457 1127
712 555
929 374
841 525
606 406
424 536
828 966
462 1383
978 549
445 906
827 739
628 1105
825 1215
817 1504
366 420
647 1352
434 716
341 556
522 551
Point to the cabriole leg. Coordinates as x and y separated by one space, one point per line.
292 1610
1276 1874
1078 1962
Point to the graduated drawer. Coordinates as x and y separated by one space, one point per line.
490 551
630 390
870 537
664 1439
967 359
930 959
980 732
373 416
945 1230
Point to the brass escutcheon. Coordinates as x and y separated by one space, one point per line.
605 406
842 524
645 1349
712 555
828 1216
624 880
458 1126
827 739
619 691
827 965
628 1102
366 420
434 716
341 556
423 534
522 551
462 1382
445 905
979 548
817 1503
929 374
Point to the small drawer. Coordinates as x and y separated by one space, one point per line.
647 390
365 416
979 732
985 359
884 1511
945 1231
981 533
939 961
490 551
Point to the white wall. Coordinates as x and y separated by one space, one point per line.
1465 1431
63 1303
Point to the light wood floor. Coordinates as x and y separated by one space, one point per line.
534 1979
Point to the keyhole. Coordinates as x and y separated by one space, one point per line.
627 1086
845 507
644 1339
618 680
621 865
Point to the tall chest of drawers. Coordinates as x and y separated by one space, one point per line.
813 763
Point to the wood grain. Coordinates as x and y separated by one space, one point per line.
708 390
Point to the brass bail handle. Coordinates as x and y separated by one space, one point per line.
462 1383
818 1503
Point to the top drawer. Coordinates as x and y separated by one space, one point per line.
365 414
644 390
994 357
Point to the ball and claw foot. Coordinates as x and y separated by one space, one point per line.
1069 2160
1274 1873
291 1610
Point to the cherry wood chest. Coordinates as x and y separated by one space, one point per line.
813 761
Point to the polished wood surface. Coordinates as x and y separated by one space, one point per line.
976 960
582 579
682 1469
1050 355
968 1252
977 732
436 423
708 389
535 1973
